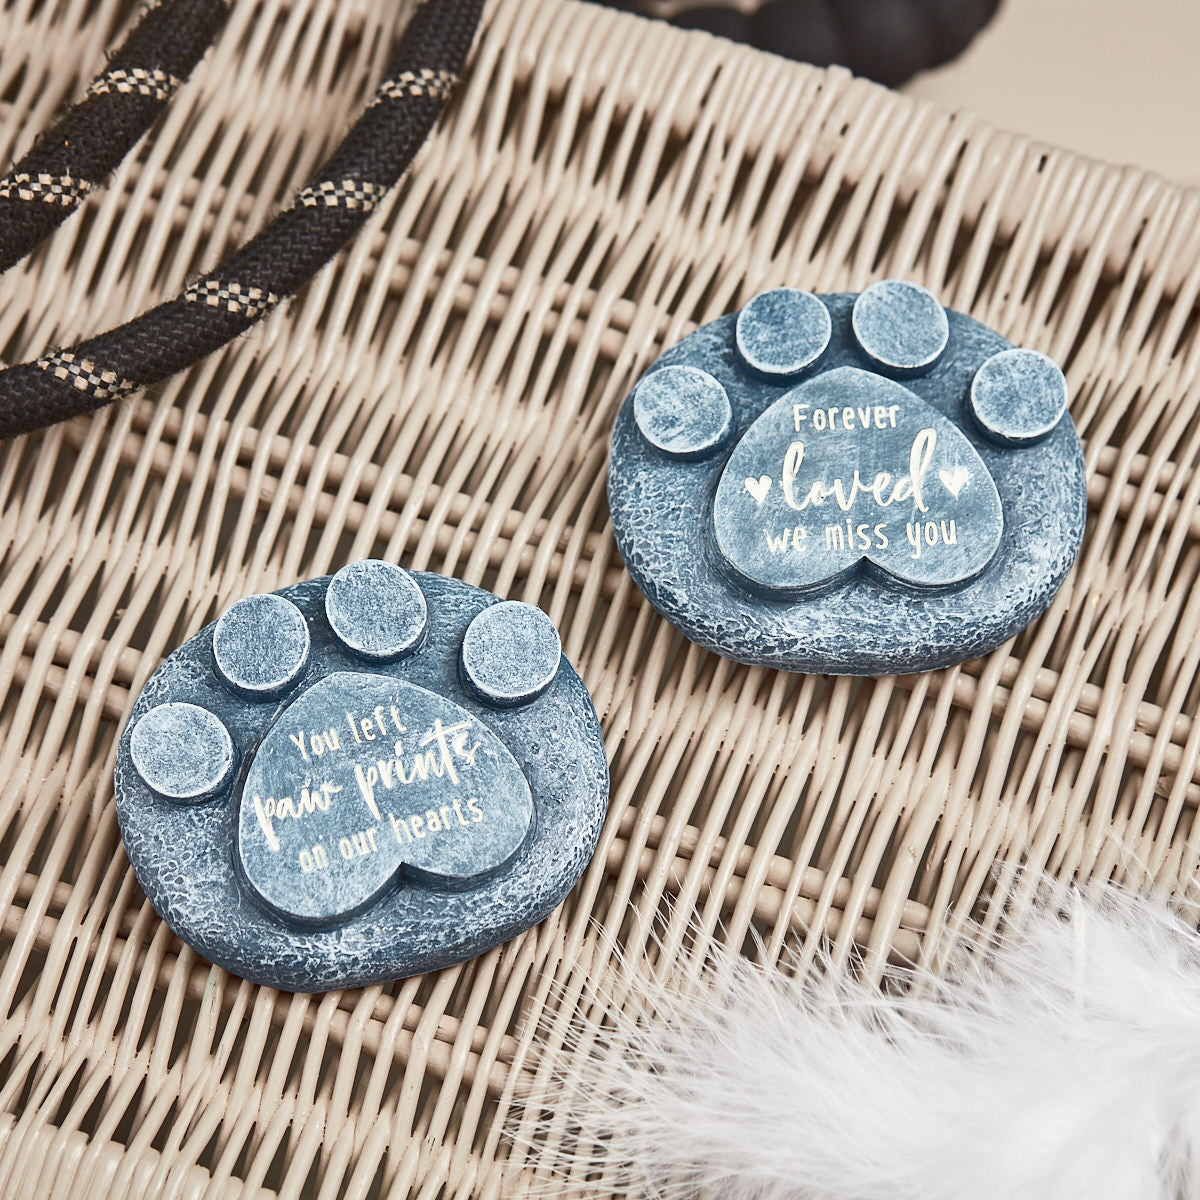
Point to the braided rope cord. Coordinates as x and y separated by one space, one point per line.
274 264
93 136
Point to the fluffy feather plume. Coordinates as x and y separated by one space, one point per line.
1059 1060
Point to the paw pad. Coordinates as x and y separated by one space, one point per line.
682 412
510 654
360 778
1018 397
896 487
900 327
376 610
781 333
182 752
260 646
904 455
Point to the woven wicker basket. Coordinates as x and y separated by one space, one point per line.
443 397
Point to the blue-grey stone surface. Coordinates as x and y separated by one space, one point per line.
781 333
182 751
363 775
376 609
378 819
682 412
712 542
511 654
260 646
900 326
1018 397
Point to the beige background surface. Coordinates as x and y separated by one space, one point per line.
1117 79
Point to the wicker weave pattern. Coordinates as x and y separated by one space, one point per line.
442 397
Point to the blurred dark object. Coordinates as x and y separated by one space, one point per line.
886 40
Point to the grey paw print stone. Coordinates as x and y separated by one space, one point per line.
848 484
360 778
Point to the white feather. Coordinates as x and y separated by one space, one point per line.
1060 1061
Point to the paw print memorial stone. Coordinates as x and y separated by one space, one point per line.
360 778
848 484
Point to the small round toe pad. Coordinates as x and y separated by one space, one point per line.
376 610
1018 397
510 653
260 646
182 752
781 333
900 326
682 412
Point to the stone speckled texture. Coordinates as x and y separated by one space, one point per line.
260 646
363 775
781 333
511 654
682 412
376 609
434 912
182 752
900 327
1039 383
864 624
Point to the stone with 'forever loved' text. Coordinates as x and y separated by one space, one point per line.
859 484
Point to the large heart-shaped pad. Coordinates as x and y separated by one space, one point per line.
863 471
363 776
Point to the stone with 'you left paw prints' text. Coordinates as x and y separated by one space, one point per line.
361 777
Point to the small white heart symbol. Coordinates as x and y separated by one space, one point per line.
954 481
759 487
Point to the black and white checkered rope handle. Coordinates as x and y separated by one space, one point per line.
279 260
92 137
